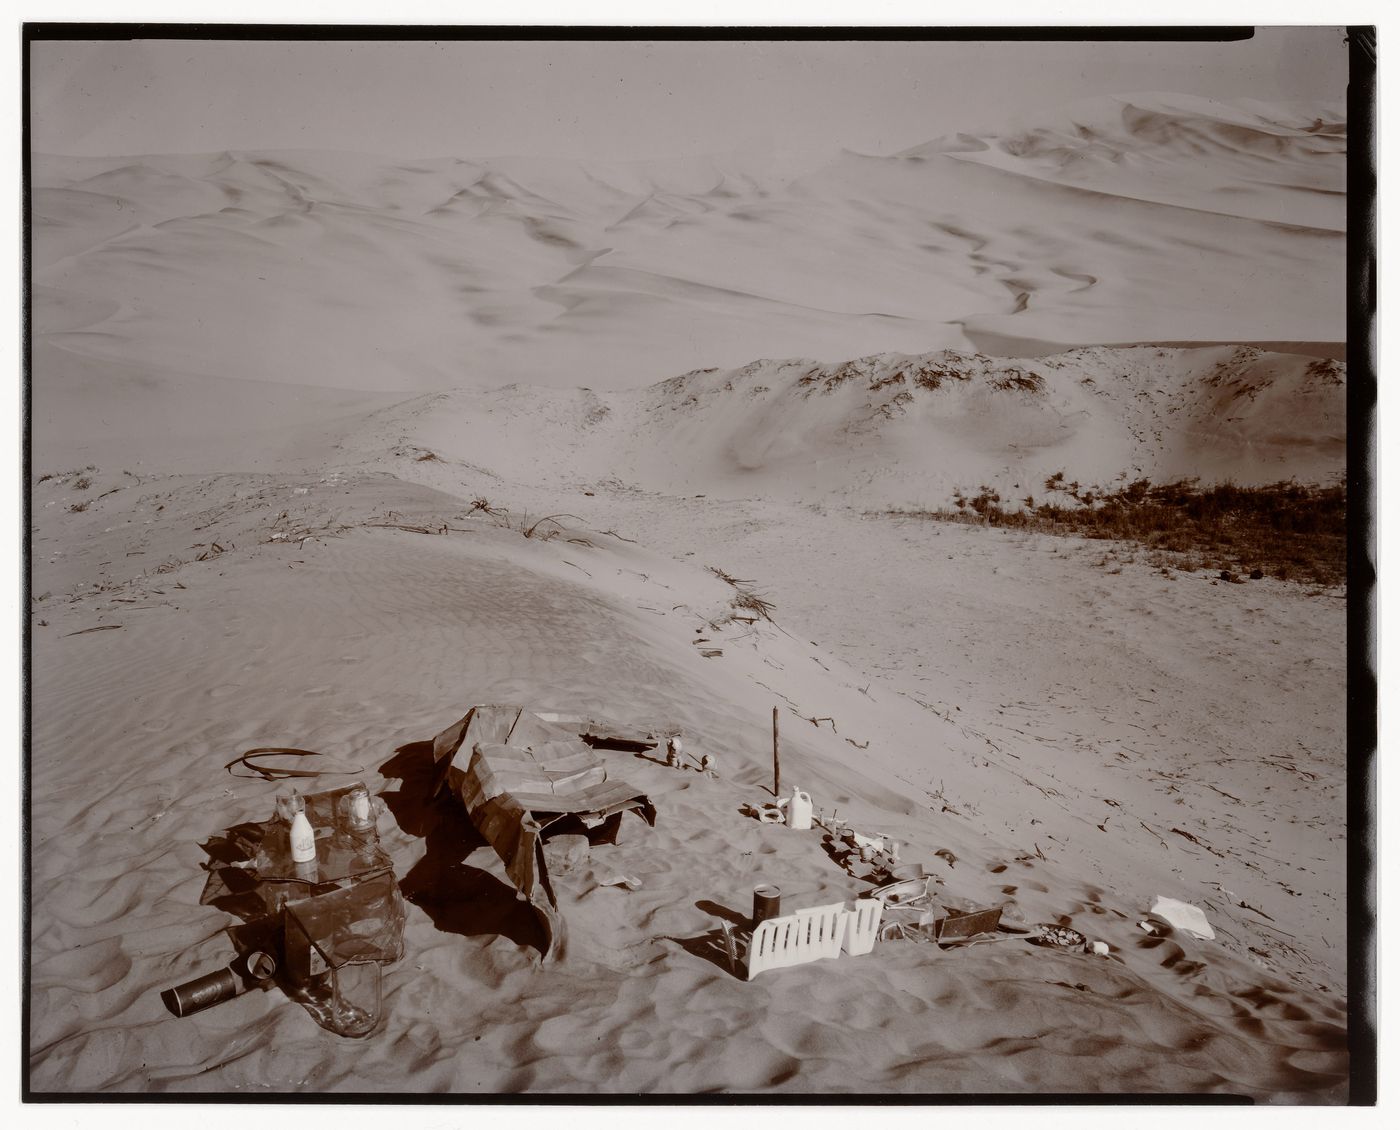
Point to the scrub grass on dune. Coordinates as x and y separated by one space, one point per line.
1290 531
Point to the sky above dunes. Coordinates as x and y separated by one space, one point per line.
617 101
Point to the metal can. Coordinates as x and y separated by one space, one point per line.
203 992
767 903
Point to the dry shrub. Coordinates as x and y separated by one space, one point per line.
1287 530
746 600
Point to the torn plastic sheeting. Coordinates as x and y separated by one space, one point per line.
1183 916
526 773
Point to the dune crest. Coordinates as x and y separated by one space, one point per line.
1134 219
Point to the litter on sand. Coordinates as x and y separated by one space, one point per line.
320 928
1183 916
1058 937
812 934
524 775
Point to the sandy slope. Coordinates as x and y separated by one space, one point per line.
1052 727
257 376
905 430
367 641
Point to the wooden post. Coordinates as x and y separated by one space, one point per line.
777 771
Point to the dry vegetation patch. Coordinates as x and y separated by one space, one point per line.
1292 531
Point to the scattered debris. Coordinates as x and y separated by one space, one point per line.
747 599
243 973
769 813
1198 843
334 920
1183 916
796 939
962 925
525 773
279 763
1255 909
799 810
1058 937
767 903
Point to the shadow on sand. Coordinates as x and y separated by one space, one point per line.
457 897
713 945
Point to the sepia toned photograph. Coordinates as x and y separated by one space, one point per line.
697 565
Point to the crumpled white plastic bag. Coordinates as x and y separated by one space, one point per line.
1183 916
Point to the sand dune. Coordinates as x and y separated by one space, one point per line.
905 430
1136 220
1261 161
294 414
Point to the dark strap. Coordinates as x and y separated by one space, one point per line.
277 773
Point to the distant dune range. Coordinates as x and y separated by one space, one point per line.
327 449
1143 219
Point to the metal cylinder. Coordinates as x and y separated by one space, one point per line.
221 985
767 903
203 992
258 966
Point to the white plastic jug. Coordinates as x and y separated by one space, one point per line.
799 813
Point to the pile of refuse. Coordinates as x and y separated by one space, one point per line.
903 904
323 914
322 911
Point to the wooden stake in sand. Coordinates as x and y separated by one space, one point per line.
777 772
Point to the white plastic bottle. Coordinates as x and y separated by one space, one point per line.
800 810
303 836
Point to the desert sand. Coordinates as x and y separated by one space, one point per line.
328 449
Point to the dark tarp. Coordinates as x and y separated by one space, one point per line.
526 771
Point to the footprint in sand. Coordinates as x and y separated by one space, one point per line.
224 690
155 725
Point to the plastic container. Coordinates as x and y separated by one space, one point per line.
303 836
799 814
336 945
355 812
